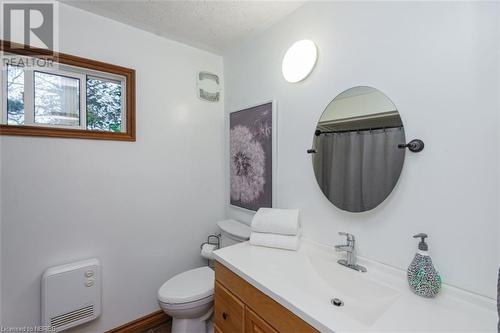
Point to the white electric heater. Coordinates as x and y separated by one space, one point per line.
71 294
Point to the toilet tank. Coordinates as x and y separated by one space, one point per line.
233 232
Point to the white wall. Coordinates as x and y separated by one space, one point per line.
143 208
438 62
498 162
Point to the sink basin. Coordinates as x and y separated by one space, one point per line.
365 299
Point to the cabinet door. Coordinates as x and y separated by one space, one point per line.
229 311
255 324
217 329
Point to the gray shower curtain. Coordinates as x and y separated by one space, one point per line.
358 170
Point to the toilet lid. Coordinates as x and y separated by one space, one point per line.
188 286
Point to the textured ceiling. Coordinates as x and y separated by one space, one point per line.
210 25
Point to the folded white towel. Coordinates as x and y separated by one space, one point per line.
276 221
274 240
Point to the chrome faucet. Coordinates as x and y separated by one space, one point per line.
350 249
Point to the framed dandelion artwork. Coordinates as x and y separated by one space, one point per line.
251 151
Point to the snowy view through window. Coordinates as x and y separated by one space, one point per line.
56 100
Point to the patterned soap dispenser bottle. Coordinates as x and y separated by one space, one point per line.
423 278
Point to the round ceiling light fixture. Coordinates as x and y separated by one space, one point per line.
299 60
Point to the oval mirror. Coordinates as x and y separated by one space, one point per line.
356 157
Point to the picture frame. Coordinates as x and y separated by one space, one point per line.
251 156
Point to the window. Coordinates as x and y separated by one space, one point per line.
15 93
56 99
104 104
74 98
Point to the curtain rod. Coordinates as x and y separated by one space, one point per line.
319 132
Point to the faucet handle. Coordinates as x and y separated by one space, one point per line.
350 237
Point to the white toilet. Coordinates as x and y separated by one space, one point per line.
188 297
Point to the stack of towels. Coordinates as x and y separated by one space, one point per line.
278 228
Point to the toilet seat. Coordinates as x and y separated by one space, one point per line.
188 305
195 285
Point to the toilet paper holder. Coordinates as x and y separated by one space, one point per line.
212 240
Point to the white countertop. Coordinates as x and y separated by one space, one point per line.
291 278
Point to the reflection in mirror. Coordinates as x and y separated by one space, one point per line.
357 161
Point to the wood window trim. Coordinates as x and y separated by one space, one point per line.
71 60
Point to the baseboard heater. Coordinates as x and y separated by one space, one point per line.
71 294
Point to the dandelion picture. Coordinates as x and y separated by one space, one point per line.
251 157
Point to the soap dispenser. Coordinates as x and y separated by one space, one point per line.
423 278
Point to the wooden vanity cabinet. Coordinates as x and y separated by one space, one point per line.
255 324
240 307
229 311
